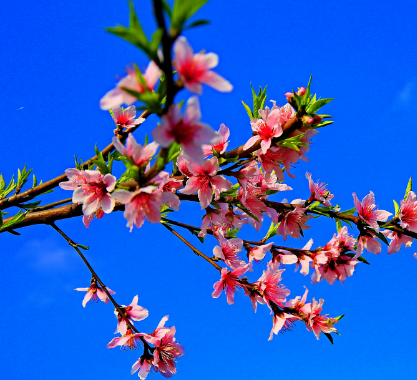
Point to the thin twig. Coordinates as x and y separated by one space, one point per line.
94 274
194 249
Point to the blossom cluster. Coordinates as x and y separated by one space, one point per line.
232 191
161 350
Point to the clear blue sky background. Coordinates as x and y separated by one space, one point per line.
57 62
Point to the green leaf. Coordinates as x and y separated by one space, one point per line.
323 124
2 183
248 110
29 206
351 211
134 34
328 336
338 225
167 8
397 208
340 317
35 182
232 191
255 103
293 142
360 258
409 187
16 219
183 10
174 151
195 233
272 231
197 23
314 107
85 247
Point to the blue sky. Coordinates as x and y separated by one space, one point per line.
57 62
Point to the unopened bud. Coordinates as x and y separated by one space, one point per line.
289 95
301 91
307 119
317 119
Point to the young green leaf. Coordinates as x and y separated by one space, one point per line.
409 187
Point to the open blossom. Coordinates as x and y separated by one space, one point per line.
144 364
370 243
166 353
368 211
95 293
88 218
301 260
125 118
229 281
228 251
292 222
408 212
258 253
397 240
75 179
194 69
269 285
158 333
221 146
137 153
92 190
130 340
117 97
187 131
144 203
266 128
315 322
133 312
205 181
319 191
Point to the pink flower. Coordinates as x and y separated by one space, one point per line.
408 212
144 203
221 146
117 97
212 217
126 118
129 340
134 151
300 92
291 223
270 288
319 192
318 323
76 179
281 321
230 282
166 353
368 211
144 364
88 218
205 182
95 293
187 131
254 296
266 128
397 240
368 242
173 185
94 193
228 251
258 253
133 312
158 333
246 173
194 69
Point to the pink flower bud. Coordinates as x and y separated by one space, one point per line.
289 95
317 119
307 119
301 91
